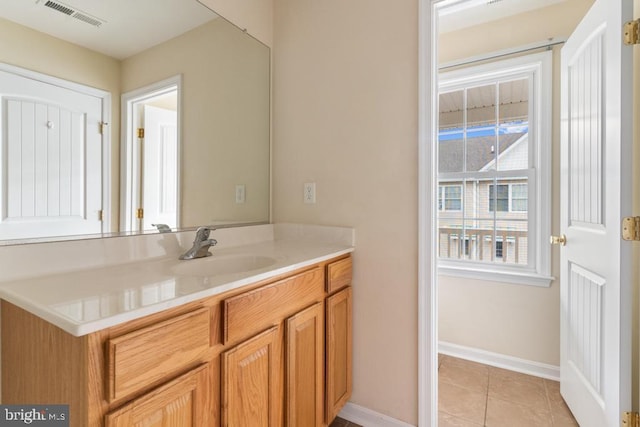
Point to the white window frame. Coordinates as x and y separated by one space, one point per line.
538 67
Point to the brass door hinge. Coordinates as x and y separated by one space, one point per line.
103 125
631 228
140 133
632 32
100 215
630 419
140 213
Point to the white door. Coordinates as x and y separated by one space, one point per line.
160 170
50 160
595 275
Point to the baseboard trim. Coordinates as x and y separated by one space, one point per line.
368 418
511 363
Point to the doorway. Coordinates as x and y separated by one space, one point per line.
151 157
509 31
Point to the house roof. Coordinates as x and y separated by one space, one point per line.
480 151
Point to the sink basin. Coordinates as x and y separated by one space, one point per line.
217 265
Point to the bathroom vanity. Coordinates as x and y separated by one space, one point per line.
267 348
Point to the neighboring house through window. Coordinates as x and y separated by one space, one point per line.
493 170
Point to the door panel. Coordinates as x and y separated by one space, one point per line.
595 275
250 383
33 150
586 80
304 368
585 325
160 170
339 352
50 160
179 403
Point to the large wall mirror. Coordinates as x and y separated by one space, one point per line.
197 85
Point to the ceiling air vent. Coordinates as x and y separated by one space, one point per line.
60 8
88 19
74 13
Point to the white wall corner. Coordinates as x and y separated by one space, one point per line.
368 418
253 16
524 366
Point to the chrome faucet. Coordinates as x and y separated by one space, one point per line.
201 244
162 228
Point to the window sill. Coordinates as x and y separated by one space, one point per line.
514 277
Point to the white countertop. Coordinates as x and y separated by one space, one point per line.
92 299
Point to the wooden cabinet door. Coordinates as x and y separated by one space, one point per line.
304 368
179 403
250 382
339 347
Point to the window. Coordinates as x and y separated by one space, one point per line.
510 198
450 198
518 197
499 249
493 174
499 201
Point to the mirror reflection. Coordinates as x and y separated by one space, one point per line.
118 116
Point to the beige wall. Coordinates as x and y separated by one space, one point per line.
256 16
345 117
534 26
40 52
225 129
515 320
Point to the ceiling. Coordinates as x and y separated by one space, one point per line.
473 12
480 109
511 92
117 28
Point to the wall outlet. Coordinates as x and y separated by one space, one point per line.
309 192
240 193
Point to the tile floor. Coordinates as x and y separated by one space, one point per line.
474 395
339 422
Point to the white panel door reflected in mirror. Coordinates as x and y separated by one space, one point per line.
50 156
151 125
159 167
151 144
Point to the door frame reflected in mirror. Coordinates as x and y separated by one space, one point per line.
131 172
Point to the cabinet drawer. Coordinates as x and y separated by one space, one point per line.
339 274
254 311
143 357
